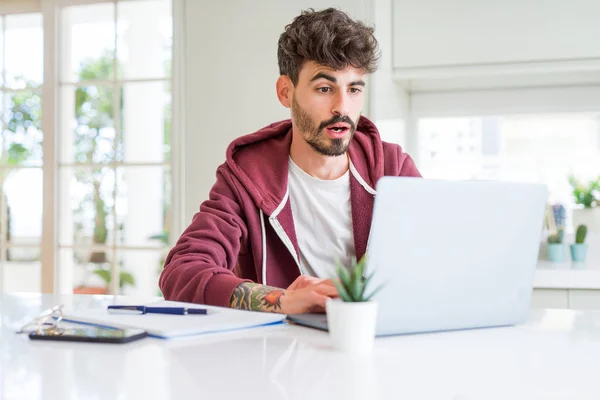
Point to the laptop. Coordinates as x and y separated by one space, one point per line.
452 254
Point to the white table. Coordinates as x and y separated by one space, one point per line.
556 355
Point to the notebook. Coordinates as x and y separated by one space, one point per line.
165 326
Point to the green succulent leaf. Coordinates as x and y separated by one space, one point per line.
365 285
356 289
351 282
375 292
342 291
344 276
360 268
353 271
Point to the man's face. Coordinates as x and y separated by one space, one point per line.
326 105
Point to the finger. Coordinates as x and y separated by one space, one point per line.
298 282
313 279
303 281
326 290
327 282
319 302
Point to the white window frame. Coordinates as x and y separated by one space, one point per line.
50 10
501 101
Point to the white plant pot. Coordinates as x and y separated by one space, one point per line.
352 325
589 217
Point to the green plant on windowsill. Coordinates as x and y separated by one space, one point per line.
125 278
587 195
557 237
556 252
579 248
162 237
580 234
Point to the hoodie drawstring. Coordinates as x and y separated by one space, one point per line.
264 248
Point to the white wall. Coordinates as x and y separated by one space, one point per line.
468 32
389 102
484 44
230 74
506 101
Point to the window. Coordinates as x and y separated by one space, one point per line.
114 171
21 58
107 138
543 148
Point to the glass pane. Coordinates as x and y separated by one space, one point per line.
87 113
86 204
2 65
145 36
24 52
89 270
542 148
140 270
22 129
143 206
3 117
450 148
145 123
88 37
22 271
23 191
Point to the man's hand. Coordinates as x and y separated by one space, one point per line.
305 294
304 281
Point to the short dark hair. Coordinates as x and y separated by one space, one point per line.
330 38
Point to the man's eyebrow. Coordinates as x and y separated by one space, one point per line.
333 79
357 83
324 76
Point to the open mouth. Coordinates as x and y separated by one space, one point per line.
338 128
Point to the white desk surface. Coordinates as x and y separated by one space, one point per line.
556 355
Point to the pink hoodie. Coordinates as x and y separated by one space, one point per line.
245 230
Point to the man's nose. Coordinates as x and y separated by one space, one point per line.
340 105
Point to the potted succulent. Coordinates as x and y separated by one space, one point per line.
556 251
352 317
579 248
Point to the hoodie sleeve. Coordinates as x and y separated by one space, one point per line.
397 162
407 165
199 269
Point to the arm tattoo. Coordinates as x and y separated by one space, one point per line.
256 297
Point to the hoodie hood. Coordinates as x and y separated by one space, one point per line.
260 160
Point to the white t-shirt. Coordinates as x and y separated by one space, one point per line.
323 221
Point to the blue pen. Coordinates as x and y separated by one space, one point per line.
156 310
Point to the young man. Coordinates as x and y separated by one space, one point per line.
297 195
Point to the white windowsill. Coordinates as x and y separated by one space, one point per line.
567 276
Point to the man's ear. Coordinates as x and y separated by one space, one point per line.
284 87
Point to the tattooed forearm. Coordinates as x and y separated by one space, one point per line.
255 297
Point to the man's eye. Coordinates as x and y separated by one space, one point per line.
324 89
355 90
